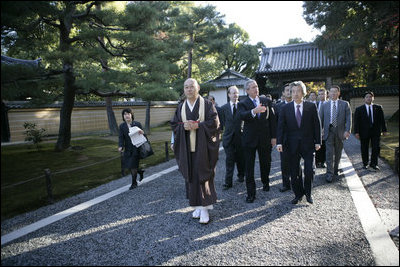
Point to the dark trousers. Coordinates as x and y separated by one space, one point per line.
320 155
285 167
375 143
299 186
234 154
264 156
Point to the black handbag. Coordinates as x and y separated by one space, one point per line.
145 150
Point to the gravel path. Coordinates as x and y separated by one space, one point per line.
152 225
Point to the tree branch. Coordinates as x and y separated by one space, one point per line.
86 13
105 94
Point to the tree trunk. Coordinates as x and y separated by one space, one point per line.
112 123
190 57
64 132
147 122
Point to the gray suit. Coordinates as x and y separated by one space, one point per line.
334 136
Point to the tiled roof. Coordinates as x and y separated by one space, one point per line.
390 90
300 57
12 61
229 78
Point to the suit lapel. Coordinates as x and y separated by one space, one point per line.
292 112
304 112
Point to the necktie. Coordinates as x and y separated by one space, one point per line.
370 116
334 114
255 105
234 110
298 116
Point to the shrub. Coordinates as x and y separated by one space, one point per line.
33 134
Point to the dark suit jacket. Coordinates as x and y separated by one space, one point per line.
309 133
232 125
124 139
257 129
278 108
362 125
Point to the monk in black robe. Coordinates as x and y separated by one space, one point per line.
196 146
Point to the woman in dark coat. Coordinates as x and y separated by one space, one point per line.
130 158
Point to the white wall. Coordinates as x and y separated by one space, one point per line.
221 95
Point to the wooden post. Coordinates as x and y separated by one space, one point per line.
166 151
47 174
147 124
396 160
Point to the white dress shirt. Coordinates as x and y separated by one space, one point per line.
372 111
232 105
295 108
257 101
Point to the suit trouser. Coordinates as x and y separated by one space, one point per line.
285 167
334 147
234 154
299 187
264 156
320 155
375 143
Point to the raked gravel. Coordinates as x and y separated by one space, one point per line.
152 225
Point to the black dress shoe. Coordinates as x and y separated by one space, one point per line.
296 200
284 189
140 175
266 187
374 168
309 199
240 179
133 186
328 179
250 199
365 167
226 186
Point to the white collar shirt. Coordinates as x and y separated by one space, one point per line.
191 107
231 103
372 111
295 107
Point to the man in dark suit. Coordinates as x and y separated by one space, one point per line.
231 140
259 134
284 155
300 123
368 128
320 156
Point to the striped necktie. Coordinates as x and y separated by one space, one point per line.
334 114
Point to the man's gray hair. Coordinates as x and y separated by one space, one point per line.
247 83
301 84
232 87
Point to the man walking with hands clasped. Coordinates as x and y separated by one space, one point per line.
369 124
299 123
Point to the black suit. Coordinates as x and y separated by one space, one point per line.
285 163
320 155
369 132
257 134
301 143
231 140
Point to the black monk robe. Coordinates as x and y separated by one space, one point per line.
197 168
